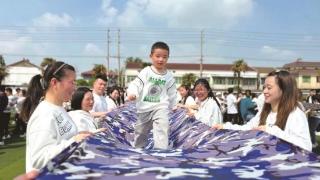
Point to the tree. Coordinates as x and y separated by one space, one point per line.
238 67
3 71
134 60
99 70
137 60
189 79
144 64
47 61
82 82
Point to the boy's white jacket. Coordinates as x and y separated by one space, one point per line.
153 90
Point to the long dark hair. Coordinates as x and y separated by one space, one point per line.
205 83
184 99
110 91
39 85
77 98
288 101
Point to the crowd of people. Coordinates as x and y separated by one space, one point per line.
10 106
53 113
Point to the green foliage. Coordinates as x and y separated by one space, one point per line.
238 67
82 82
189 79
47 61
134 60
137 60
145 64
12 158
90 82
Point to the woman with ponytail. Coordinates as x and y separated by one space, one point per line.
209 108
50 129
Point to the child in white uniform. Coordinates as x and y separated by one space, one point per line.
50 129
155 92
280 115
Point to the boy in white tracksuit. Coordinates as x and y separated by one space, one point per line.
155 92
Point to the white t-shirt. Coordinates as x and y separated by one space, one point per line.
260 102
296 130
153 90
231 104
12 101
100 103
18 106
111 104
50 130
190 101
84 120
209 112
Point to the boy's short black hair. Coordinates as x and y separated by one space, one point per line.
160 45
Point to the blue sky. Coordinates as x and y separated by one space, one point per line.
262 32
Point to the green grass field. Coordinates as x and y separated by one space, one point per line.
12 157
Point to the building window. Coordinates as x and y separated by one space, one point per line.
232 81
249 81
318 79
306 79
219 80
131 78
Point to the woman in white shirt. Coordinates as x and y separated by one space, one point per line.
113 95
50 129
280 115
81 104
209 109
187 101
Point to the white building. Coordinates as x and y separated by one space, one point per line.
20 73
220 76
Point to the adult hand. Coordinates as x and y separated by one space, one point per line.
82 135
99 130
190 114
131 97
217 126
28 176
261 128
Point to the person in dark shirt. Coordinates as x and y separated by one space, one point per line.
3 105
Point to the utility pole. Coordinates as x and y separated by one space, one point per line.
201 54
119 73
108 52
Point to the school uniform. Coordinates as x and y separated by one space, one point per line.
156 95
